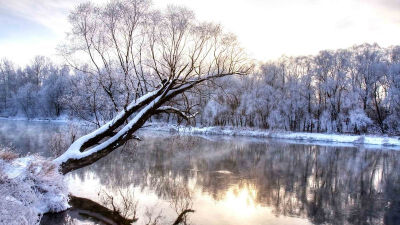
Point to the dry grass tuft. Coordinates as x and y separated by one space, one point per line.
42 168
8 155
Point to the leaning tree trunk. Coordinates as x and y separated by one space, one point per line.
89 148
99 143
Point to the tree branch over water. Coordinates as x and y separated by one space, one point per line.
174 51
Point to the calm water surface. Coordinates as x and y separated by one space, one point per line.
229 180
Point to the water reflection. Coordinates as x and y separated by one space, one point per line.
247 181
236 181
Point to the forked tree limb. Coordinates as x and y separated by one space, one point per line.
174 110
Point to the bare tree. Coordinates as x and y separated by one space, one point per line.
7 74
38 70
158 55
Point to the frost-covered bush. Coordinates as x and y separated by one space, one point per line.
359 121
392 122
29 187
213 109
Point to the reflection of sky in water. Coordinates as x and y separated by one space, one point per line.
243 181
237 205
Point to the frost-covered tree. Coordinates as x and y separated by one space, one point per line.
393 89
53 90
369 70
8 85
308 93
331 73
173 51
27 99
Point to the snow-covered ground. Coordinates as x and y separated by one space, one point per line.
318 138
29 187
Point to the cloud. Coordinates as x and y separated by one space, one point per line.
17 28
49 13
32 27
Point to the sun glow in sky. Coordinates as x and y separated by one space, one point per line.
266 28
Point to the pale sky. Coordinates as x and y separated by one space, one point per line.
267 29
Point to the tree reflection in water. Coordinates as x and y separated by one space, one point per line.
319 185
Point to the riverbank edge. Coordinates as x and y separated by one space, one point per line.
372 140
392 142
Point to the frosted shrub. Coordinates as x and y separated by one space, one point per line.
7 155
359 121
29 187
393 124
17 199
213 110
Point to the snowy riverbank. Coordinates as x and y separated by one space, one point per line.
373 141
31 186
370 140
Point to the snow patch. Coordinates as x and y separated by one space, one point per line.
29 187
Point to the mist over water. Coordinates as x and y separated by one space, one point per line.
231 180
25 136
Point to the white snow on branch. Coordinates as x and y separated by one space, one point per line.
74 150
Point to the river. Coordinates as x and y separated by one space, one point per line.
227 180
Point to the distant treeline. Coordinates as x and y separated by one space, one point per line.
354 90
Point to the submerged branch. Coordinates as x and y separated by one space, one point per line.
181 216
94 209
